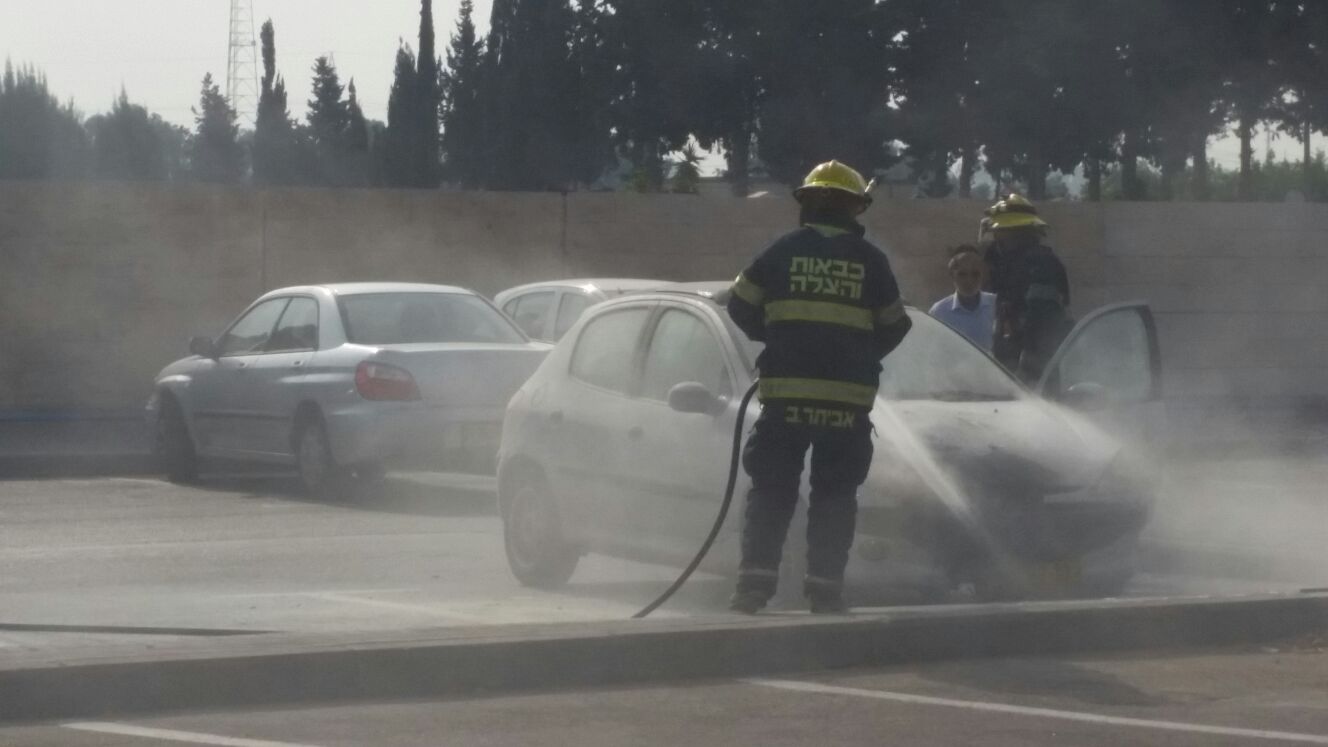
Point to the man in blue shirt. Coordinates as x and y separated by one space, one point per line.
969 310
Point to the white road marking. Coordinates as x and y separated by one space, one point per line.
427 609
170 735
1090 718
316 592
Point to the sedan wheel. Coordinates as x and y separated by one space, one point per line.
537 552
320 475
174 447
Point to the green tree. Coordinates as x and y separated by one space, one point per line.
533 97
687 173
130 144
427 100
1249 38
328 117
400 140
39 137
1302 59
824 76
356 146
728 102
654 46
938 83
216 154
282 152
462 118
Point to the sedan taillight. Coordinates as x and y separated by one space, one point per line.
379 381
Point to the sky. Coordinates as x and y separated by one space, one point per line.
158 50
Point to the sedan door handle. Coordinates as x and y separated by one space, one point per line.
636 432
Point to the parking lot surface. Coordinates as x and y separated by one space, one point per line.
92 560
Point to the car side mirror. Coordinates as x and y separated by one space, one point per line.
203 346
1087 396
693 397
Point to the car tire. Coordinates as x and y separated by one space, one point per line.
320 475
997 584
537 551
174 446
370 473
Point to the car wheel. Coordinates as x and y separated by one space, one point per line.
370 473
174 447
537 552
320 474
997 583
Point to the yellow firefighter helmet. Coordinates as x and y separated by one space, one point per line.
1014 211
837 176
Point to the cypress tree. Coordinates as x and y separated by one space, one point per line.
462 119
427 103
398 161
277 149
216 155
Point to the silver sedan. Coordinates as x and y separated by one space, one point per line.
346 379
619 444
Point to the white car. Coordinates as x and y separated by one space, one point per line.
546 310
347 378
620 442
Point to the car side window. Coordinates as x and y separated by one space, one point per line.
605 350
570 308
1111 352
298 328
250 334
531 313
683 349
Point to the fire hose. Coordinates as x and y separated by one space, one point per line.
734 458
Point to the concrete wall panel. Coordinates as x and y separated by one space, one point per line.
101 284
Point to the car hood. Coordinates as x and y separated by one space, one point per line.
179 367
1025 448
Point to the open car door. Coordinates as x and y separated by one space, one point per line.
1109 367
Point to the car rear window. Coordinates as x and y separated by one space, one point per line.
396 318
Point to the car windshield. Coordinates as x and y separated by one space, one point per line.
933 362
396 318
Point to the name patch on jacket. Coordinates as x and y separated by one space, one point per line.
801 415
827 277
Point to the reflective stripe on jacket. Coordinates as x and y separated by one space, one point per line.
827 306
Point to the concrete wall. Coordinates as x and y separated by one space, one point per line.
102 284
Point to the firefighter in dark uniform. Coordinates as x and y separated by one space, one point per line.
827 307
1031 286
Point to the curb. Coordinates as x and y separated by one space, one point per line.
277 669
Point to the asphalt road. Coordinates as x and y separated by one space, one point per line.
91 560
1261 696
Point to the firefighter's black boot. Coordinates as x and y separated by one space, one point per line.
748 602
826 597
828 603
755 588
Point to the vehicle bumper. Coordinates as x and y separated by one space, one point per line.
410 435
1057 547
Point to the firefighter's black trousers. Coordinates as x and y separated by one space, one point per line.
774 456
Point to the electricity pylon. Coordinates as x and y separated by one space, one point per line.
242 70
